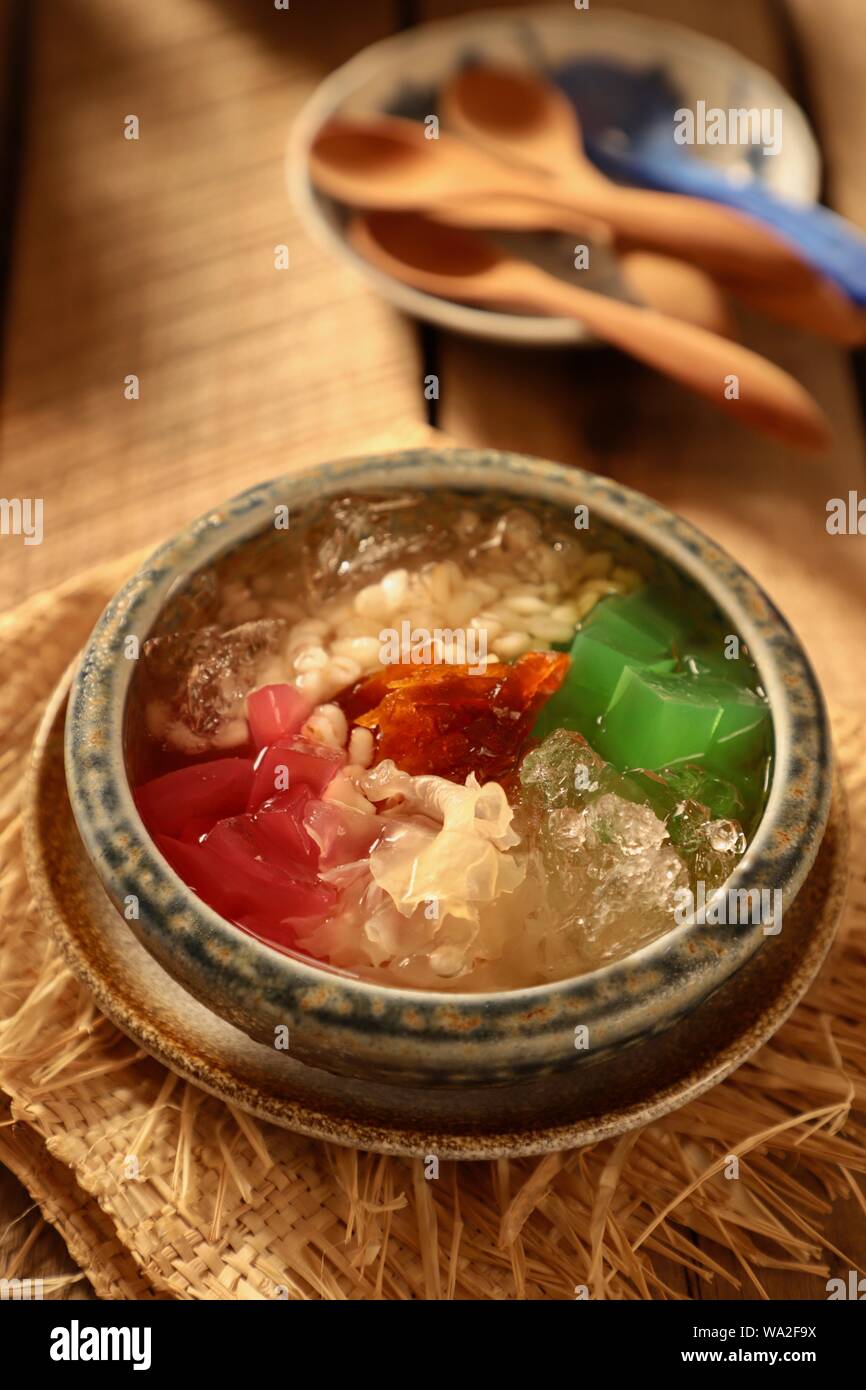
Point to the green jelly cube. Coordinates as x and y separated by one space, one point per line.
742 735
637 624
650 687
656 720
595 671
702 661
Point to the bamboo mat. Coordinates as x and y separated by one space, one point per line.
161 1191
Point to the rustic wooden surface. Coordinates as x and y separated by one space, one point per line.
156 257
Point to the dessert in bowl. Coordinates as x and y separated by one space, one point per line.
447 767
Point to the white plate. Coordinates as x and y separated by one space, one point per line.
374 80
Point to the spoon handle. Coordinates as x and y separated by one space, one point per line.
830 244
820 308
731 376
723 241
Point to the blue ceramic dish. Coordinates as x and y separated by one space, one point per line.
403 74
385 1033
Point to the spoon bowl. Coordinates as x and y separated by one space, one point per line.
517 116
387 162
429 254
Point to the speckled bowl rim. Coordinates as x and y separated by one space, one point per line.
781 853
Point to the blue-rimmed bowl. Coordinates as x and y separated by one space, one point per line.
386 1033
403 73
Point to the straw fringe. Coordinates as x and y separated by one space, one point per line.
160 1190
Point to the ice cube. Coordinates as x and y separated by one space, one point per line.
711 848
358 538
612 875
698 811
612 849
560 770
197 682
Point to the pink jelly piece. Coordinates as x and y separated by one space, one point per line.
276 711
281 822
246 851
198 866
342 833
231 871
283 933
275 933
202 793
293 762
195 830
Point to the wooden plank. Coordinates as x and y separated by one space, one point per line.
7 58
831 40
745 24
156 257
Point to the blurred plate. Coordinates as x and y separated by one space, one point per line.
402 75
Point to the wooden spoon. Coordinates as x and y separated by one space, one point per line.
519 115
677 288
464 266
386 162
663 282
821 308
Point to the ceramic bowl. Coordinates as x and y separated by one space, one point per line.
383 1033
402 74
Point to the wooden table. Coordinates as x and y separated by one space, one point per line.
156 257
